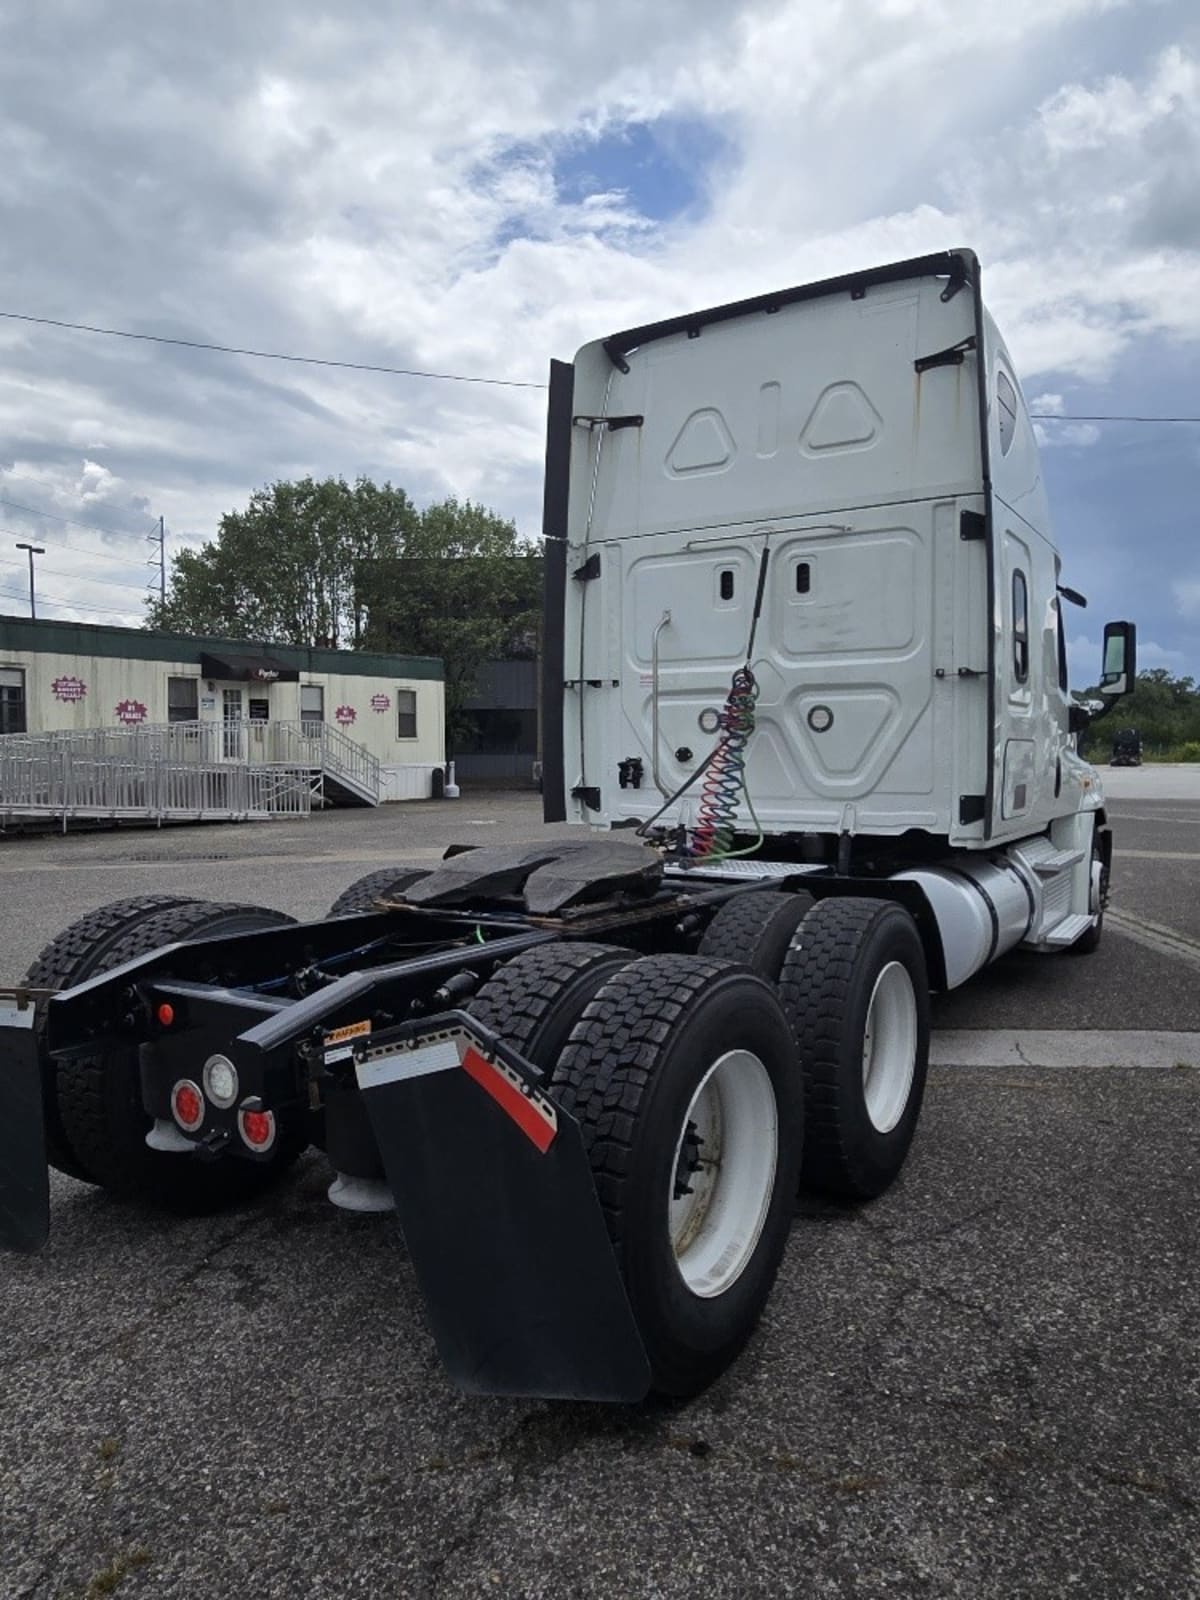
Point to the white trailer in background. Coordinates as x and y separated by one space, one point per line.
804 648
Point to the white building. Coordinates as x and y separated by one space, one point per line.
71 676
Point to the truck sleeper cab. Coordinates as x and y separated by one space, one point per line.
804 677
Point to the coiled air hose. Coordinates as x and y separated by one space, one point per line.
724 768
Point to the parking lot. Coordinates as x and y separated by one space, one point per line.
982 1385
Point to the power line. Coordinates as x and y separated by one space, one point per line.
96 527
81 550
75 605
1067 416
77 577
267 355
415 372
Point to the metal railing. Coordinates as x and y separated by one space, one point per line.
317 745
181 770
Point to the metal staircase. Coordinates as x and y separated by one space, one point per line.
183 771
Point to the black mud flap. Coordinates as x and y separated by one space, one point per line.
24 1175
500 1216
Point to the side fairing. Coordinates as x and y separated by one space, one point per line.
1034 779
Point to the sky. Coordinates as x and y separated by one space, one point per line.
476 187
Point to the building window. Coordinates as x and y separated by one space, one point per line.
406 713
12 700
1020 592
183 704
260 710
1006 405
312 703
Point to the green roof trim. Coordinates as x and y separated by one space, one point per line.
139 644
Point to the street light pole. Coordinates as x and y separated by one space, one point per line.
34 550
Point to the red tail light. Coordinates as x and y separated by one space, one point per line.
257 1129
187 1105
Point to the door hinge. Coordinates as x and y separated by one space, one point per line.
971 808
613 424
972 525
590 569
952 356
589 794
971 672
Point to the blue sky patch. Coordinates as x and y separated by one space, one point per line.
662 165
1115 505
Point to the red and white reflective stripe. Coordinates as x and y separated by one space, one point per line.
530 1110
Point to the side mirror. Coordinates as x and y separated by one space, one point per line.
1119 667
1078 717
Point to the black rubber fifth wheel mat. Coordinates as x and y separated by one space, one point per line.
500 1216
24 1175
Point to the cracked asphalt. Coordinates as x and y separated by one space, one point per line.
984 1384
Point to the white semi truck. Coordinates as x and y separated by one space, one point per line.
805 689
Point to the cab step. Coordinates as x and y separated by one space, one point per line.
1068 930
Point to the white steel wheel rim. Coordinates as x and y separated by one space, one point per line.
735 1144
889 1047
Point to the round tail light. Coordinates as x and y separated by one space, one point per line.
220 1081
257 1129
187 1105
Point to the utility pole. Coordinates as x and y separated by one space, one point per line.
34 550
160 539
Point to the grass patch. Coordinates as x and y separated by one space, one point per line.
109 1579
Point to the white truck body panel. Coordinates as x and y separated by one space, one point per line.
888 699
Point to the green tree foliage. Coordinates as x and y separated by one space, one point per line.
327 563
283 570
465 588
1165 710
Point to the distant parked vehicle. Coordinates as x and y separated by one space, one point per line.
1127 748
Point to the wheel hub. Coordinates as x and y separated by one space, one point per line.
723 1173
889 1047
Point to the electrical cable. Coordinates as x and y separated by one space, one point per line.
55 516
267 355
78 577
417 372
724 768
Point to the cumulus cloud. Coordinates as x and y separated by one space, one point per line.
461 189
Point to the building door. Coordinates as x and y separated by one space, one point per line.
12 700
231 712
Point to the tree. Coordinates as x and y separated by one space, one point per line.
283 570
1165 711
465 588
326 564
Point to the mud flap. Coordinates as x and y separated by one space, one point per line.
24 1175
500 1215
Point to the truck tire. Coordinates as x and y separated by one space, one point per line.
364 892
100 1097
535 1000
78 952
676 1054
1090 942
856 990
756 929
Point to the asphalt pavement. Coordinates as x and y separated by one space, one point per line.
982 1385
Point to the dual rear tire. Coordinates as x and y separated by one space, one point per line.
706 1094
94 1118
852 978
